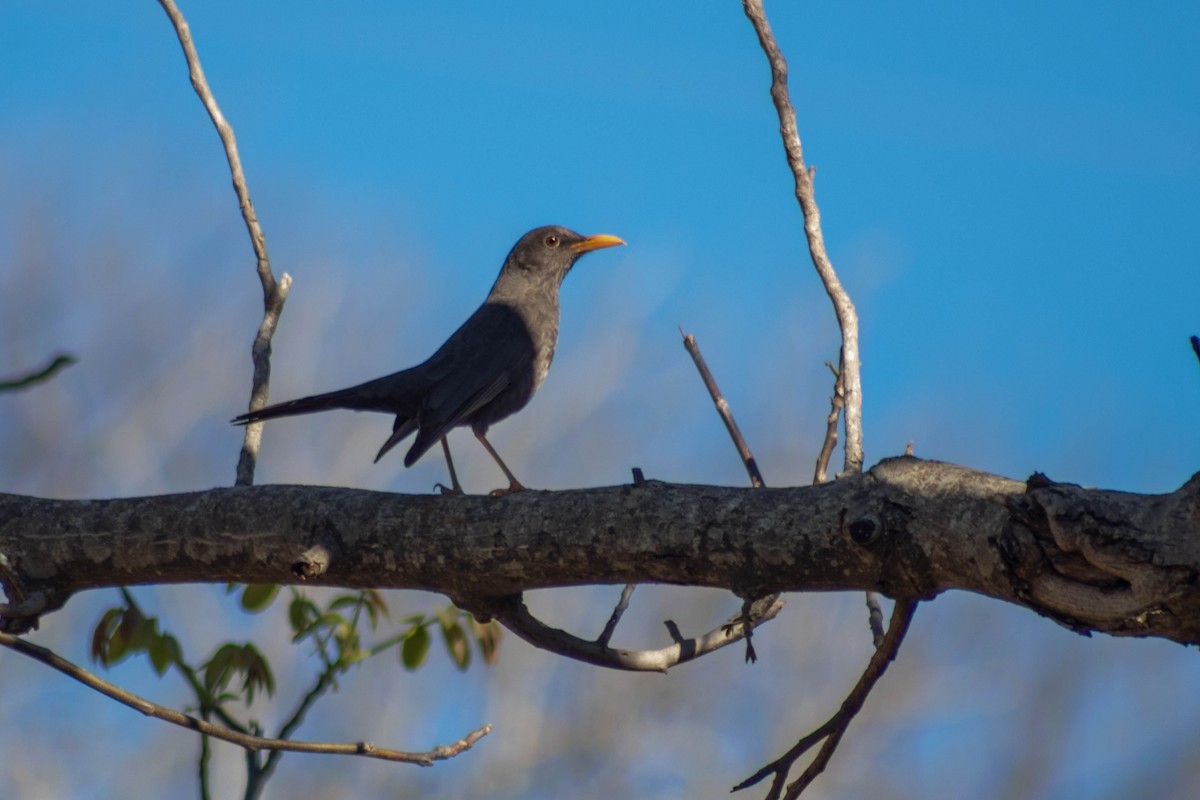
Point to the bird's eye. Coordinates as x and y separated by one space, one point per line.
552 241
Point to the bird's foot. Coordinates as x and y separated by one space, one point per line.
513 488
444 490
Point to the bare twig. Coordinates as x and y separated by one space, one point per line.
261 770
836 403
515 616
833 729
274 293
245 740
875 618
618 612
846 315
58 363
756 480
752 606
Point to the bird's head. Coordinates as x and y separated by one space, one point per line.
553 249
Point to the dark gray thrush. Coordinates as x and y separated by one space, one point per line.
487 370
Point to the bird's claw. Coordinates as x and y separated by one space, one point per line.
444 490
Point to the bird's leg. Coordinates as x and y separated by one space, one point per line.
514 485
455 488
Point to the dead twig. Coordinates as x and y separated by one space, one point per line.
515 615
57 364
836 403
246 740
756 479
618 612
875 618
833 728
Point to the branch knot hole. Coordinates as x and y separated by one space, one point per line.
865 530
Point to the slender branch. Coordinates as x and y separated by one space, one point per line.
875 618
57 364
264 771
202 767
754 601
756 479
836 403
514 615
274 293
188 672
833 728
618 612
245 740
846 315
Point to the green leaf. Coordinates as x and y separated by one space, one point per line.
232 660
347 639
257 596
161 653
415 647
376 605
345 601
102 635
456 641
125 634
257 672
300 612
219 668
487 639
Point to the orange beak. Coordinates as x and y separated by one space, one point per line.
596 242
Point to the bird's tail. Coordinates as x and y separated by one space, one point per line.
344 398
388 394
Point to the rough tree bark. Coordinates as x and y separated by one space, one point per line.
1094 560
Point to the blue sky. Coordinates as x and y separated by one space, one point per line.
1009 192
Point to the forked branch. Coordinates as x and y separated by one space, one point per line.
849 363
515 615
833 728
274 293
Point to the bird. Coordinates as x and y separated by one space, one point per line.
487 370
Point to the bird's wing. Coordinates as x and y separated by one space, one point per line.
490 353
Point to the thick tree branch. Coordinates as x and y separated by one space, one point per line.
1120 563
245 740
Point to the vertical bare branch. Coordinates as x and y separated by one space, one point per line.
846 315
274 293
